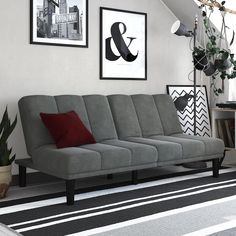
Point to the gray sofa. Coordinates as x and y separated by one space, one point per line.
132 133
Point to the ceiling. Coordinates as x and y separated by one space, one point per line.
184 10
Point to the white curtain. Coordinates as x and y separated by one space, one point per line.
230 20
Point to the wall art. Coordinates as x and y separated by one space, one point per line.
59 22
203 126
123 44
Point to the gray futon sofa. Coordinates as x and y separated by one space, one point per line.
132 133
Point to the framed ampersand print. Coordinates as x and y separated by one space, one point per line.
123 44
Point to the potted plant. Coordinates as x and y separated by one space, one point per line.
6 158
221 63
199 58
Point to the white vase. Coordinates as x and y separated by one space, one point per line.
5 180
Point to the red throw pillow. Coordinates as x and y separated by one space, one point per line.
67 129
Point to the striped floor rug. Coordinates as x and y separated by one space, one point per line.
189 205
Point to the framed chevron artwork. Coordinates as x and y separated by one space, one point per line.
203 126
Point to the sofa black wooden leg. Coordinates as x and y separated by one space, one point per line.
110 176
215 167
22 176
70 191
134 177
222 159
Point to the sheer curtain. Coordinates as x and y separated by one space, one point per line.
230 20
232 82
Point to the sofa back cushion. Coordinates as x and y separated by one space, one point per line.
124 116
100 117
168 114
66 103
148 116
36 134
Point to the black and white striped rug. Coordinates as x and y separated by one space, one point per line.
176 205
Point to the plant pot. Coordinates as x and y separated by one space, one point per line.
209 70
222 65
5 180
200 61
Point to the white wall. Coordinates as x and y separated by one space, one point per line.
33 69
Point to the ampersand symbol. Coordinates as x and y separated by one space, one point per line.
116 36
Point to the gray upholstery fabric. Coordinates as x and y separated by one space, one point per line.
187 160
168 114
212 145
111 156
75 103
148 116
190 147
120 116
66 161
167 151
141 153
100 117
124 115
36 134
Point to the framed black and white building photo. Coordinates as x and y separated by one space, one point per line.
186 113
123 44
59 22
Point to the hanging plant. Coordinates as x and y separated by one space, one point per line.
200 58
220 61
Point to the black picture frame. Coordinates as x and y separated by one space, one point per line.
203 118
123 44
57 23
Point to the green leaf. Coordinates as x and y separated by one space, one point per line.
232 40
6 128
225 55
222 8
209 46
12 159
4 157
213 38
4 121
217 50
222 76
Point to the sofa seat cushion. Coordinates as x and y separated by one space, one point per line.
167 151
141 153
66 161
212 145
190 148
111 156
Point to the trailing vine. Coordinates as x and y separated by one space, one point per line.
218 57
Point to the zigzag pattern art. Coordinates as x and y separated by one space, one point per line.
203 127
